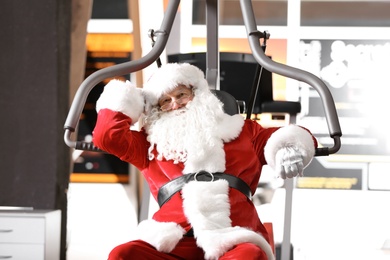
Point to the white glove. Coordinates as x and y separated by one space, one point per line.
288 162
122 97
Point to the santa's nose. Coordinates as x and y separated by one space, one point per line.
175 105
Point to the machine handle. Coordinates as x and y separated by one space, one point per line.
121 69
294 73
159 45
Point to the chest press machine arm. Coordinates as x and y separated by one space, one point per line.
120 69
211 73
294 73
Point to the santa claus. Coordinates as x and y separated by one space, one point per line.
202 165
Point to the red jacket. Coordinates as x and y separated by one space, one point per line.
244 159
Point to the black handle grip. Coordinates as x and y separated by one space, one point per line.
87 147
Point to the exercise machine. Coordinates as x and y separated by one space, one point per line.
255 38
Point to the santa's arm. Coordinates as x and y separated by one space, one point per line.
120 106
289 150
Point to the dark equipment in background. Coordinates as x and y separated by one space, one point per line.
237 75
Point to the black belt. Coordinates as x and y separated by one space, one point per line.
190 233
170 188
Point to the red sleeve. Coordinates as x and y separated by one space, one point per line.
260 136
112 134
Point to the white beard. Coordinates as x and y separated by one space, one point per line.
193 134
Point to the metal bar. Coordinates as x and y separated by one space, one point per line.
212 54
286 243
294 73
120 69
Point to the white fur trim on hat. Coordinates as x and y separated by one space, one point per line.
290 136
169 76
164 236
122 97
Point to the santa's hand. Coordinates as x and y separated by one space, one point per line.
289 150
122 97
289 162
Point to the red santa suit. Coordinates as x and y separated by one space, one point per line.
222 218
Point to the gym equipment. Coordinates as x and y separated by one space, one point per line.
254 37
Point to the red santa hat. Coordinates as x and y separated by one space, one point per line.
169 76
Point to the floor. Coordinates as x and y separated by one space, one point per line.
326 224
100 216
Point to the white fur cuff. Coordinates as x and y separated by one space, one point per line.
216 243
290 136
164 236
122 97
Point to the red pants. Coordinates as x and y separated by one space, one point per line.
185 249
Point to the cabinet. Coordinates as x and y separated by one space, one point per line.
30 234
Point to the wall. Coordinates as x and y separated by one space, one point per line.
34 65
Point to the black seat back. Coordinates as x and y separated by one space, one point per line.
230 104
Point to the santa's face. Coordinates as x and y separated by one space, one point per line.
187 132
175 99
